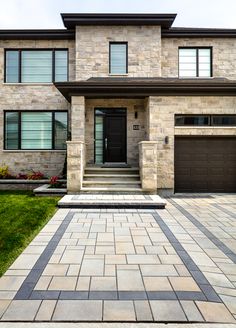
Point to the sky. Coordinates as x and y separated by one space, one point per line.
40 14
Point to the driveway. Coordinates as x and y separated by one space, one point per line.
172 265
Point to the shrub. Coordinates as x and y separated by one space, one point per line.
35 175
54 183
4 172
22 176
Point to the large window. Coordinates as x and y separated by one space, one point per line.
205 120
35 130
118 58
195 62
36 66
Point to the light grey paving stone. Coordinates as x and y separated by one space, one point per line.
115 259
7 295
142 259
63 283
157 284
219 280
184 284
21 310
167 311
143 311
129 280
11 282
118 311
46 310
72 257
230 302
92 267
43 283
124 248
55 270
170 259
215 312
158 270
103 284
83 284
191 311
17 272
3 306
77 310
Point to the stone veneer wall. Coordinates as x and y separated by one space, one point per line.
133 136
92 50
162 111
33 97
224 55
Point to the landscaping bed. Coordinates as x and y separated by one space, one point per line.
22 216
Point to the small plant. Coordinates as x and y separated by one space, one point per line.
35 175
22 176
54 182
4 172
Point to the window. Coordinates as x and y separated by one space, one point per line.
35 130
36 66
195 62
205 120
118 61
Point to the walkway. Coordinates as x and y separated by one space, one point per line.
168 265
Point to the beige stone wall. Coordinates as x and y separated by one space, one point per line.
92 50
33 97
162 111
224 55
133 136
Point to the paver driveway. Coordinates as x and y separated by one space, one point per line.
177 264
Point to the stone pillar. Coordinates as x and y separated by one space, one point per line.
75 165
148 165
78 118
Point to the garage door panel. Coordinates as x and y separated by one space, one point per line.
205 164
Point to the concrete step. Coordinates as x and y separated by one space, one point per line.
113 183
127 177
111 189
102 171
135 201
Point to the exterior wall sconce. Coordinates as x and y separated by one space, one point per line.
136 115
166 140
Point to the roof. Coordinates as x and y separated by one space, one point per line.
112 87
55 34
181 32
72 20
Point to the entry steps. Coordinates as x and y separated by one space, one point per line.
111 180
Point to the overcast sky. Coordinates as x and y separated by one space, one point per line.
23 14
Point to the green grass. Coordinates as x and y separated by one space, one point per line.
22 216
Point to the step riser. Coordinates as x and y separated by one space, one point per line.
111 179
116 185
104 172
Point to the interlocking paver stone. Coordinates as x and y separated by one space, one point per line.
184 284
214 312
129 280
119 311
21 310
167 311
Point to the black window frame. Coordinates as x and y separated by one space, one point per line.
35 49
19 129
197 62
118 42
210 120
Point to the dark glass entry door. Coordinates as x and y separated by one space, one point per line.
110 135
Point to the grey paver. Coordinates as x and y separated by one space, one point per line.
167 311
118 311
21 310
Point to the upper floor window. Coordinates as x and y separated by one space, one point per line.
118 61
36 66
195 62
35 130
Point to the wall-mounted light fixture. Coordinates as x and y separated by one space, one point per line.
136 115
166 140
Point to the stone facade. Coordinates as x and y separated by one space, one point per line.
22 96
92 50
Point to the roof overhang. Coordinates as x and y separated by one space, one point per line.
182 32
72 20
140 88
59 34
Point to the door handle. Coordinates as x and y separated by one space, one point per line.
106 143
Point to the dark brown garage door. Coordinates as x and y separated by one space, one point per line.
206 164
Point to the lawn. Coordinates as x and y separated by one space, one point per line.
22 216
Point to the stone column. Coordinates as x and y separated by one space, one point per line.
75 165
148 165
78 118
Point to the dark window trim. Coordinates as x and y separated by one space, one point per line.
19 128
210 121
118 42
197 61
35 49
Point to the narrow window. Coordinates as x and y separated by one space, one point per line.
223 120
118 58
195 62
192 120
35 130
61 63
12 66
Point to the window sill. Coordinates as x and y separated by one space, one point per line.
33 151
26 84
110 74
205 127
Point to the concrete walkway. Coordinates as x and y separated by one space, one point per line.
168 265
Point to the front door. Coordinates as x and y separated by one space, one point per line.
115 138
110 135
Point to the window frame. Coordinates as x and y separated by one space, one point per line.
20 63
126 66
197 62
210 120
19 129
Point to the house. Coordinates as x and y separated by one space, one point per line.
124 91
